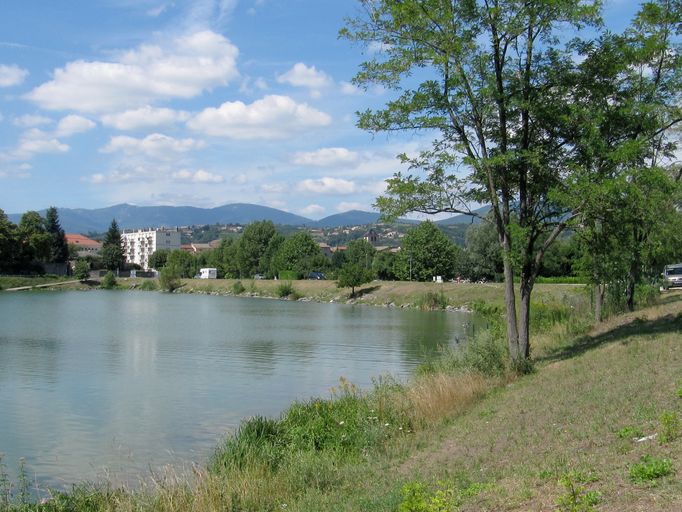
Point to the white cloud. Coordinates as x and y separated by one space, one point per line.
155 145
144 117
11 75
261 84
326 157
274 188
327 186
31 121
184 69
36 141
347 206
72 124
313 209
272 117
349 89
301 75
199 176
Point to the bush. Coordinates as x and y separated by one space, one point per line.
149 285
670 427
291 275
650 468
485 353
82 270
169 279
258 440
108 281
287 290
433 301
238 288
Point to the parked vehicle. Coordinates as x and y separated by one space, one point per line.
672 275
208 273
317 276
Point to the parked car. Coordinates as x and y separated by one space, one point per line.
672 275
259 276
317 276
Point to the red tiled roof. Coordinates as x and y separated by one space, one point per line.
82 241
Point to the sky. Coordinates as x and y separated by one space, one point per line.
192 103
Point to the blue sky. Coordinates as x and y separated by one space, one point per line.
198 103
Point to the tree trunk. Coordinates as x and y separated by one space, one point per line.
524 321
633 278
510 303
599 292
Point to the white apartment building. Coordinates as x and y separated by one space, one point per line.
139 245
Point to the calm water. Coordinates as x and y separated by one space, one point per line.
115 383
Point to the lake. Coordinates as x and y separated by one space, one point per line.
111 383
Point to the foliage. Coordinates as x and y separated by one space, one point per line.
417 498
59 249
238 288
169 279
112 250
158 259
426 252
483 255
286 289
184 264
650 468
383 265
252 247
432 301
630 432
148 285
577 497
298 253
82 270
352 275
360 252
670 426
108 281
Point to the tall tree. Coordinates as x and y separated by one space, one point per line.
59 249
252 247
112 250
9 244
34 239
488 92
298 253
426 252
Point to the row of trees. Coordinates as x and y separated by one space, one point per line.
553 134
35 241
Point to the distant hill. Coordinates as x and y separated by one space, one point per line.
128 216
350 218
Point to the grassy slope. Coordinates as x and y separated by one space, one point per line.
521 439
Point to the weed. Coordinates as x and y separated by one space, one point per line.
649 469
670 427
679 391
630 432
433 301
4 486
418 498
148 285
287 289
577 497
238 288
108 281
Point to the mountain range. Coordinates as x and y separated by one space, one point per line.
80 220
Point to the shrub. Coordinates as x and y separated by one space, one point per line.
238 288
679 391
650 468
577 497
433 301
258 440
149 285
108 281
291 275
169 279
82 270
630 432
486 353
670 427
287 290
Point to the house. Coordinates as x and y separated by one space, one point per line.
371 237
139 245
86 246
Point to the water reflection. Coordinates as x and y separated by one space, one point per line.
124 381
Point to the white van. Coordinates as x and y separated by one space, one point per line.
208 273
672 275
